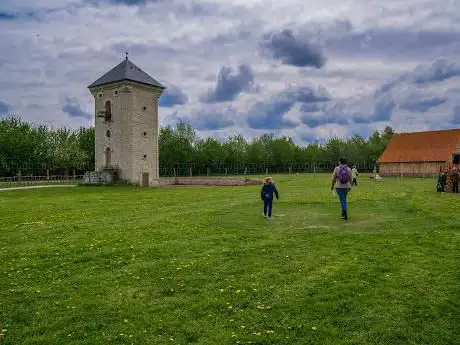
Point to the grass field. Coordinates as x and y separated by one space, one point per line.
200 265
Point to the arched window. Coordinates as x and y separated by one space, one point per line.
108 111
108 157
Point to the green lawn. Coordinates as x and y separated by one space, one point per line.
200 265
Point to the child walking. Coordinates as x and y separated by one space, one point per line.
267 196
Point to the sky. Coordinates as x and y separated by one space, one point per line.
309 70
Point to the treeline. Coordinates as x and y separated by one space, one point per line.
33 147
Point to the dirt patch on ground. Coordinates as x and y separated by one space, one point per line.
201 181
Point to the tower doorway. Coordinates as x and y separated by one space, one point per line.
145 179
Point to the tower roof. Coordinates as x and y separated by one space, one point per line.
126 70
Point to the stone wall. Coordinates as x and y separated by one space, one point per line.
98 177
133 129
144 136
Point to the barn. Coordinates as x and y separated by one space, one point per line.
420 153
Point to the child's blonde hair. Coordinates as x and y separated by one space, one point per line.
268 178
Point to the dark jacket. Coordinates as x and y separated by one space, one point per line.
454 177
268 190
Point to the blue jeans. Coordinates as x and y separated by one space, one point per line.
342 193
268 205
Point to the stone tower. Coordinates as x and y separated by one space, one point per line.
126 123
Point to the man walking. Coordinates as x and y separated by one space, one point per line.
354 175
341 181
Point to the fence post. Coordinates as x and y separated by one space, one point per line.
190 169
174 172
246 171
290 170
226 172
266 171
19 175
74 176
48 174
208 171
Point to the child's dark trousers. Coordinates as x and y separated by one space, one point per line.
268 205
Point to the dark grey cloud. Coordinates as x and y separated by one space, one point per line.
39 15
172 96
230 84
208 121
392 43
29 15
340 113
383 109
73 109
438 70
271 115
291 50
8 16
422 105
5 108
313 121
119 2
131 2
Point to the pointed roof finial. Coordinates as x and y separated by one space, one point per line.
126 55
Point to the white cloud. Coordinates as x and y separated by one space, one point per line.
51 50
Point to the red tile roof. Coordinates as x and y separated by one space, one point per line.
431 146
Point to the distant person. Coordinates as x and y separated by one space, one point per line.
454 177
266 194
341 178
442 180
354 176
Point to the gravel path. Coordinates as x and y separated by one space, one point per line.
33 187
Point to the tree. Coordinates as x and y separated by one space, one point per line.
34 148
237 149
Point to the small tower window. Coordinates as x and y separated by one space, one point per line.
100 94
145 156
145 134
108 111
115 92
144 108
108 133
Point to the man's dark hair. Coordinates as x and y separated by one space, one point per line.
342 160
